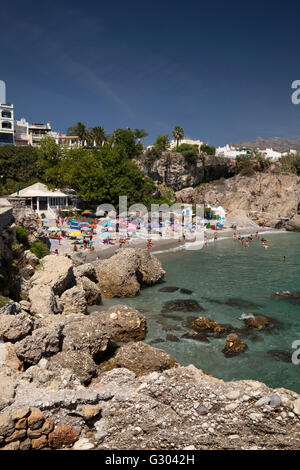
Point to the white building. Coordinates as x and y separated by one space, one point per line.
6 118
37 132
230 152
43 200
173 143
21 132
272 154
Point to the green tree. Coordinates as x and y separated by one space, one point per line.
208 149
139 134
98 135
162 143
178 134
125 138
80 130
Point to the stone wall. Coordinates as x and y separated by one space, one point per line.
27 428
6 215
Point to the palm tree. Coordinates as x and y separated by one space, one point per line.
178 134
139 134
80 130
98 135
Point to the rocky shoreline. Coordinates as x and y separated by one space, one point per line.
70 379
73 376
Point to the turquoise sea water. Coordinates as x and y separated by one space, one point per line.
226 270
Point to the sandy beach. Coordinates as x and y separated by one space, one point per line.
161 245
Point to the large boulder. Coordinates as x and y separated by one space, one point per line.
15 327
150 269
79 363
124 273
43 301
43 342
124 323
86 335
293 225
73 301
7 391
91 290
56 272
8 358
86 270
9 307
142 359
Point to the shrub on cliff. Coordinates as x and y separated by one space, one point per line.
208 149
22 236
190 152
39 249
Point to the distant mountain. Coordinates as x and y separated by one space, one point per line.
276 143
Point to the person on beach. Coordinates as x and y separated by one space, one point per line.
149 244
55 252
247 244
256 235
284 258
206 240
215 236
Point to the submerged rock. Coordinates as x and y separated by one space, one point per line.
182 305
259 322
196 336
293 297
234 345
280 355
169 289
209 327
186 291
172 338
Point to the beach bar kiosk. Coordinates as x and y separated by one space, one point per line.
43 200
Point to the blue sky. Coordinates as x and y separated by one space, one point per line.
222 70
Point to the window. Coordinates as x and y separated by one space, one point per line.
6 114
6 138
6 125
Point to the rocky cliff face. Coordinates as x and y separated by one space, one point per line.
264 195
174 171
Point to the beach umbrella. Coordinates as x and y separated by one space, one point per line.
87 212
155 225
75 233
109 224
86 229
53 229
